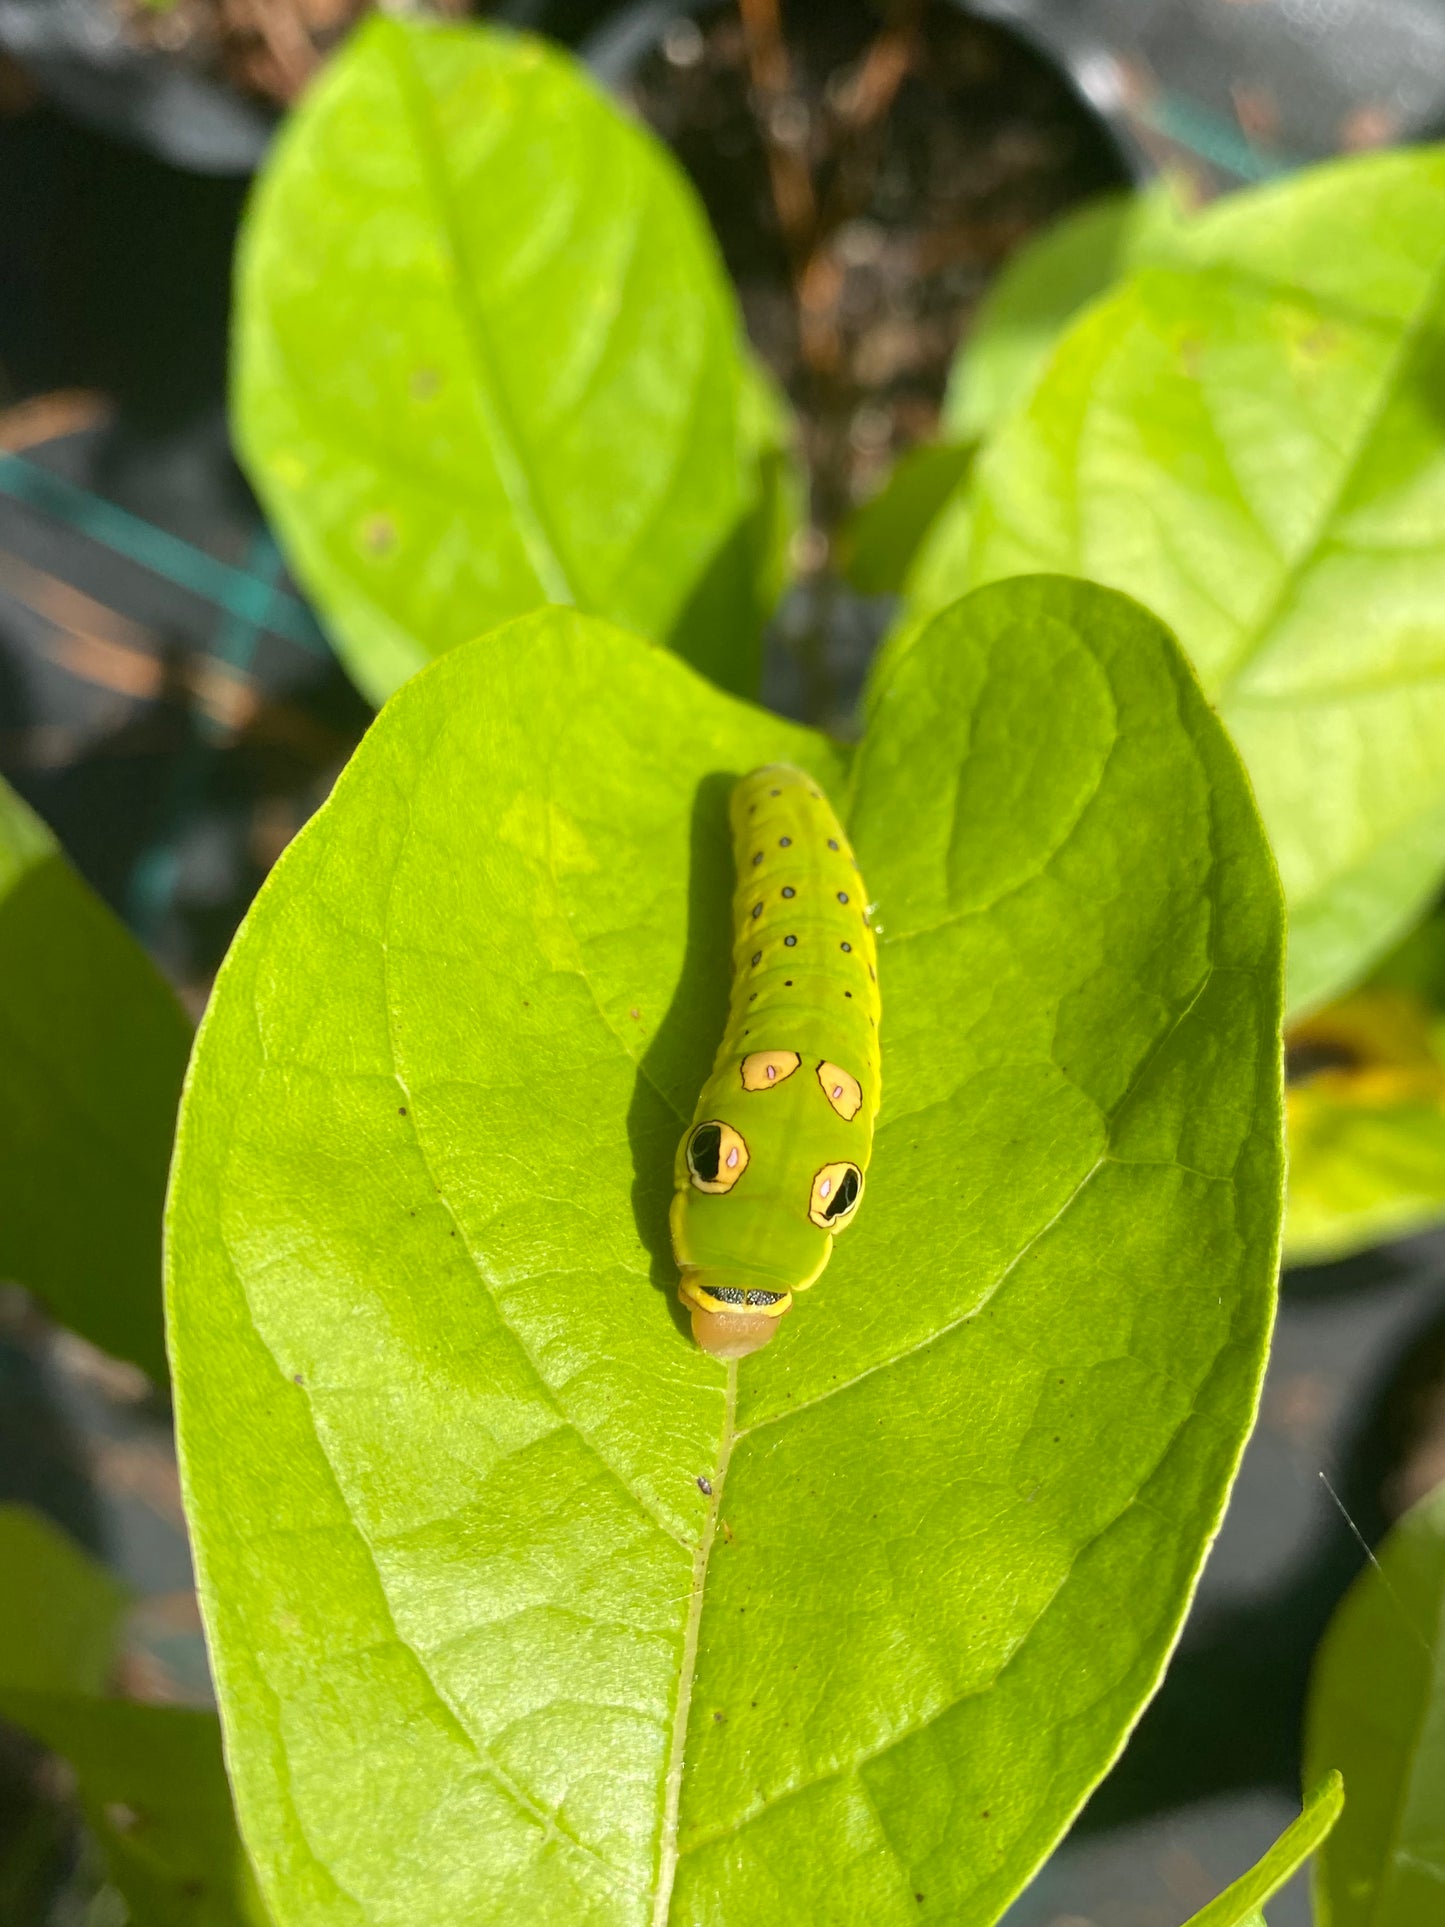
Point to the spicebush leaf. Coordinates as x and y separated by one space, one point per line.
150 1777
93 1048
59 1611
1366 1117
487 358
1042 287
1240 1903
521 1607
1377 1711
153 1785
1253 444
878 542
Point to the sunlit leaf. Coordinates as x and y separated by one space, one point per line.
1041 289
1240 1903
487 358
521 1607
1253 445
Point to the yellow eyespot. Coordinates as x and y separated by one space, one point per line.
842 1090
716 1156
836 1191
762 1069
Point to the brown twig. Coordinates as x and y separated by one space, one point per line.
783 118
808 228
282 32
881 71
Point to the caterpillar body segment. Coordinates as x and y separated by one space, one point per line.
773 1165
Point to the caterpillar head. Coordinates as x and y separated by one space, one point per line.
731 1320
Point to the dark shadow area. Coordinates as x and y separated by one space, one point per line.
1401 1451
42 1466
115 269
1230 1713
719 629
109 805
1365 1271
41 1462
678 1059
1229 1716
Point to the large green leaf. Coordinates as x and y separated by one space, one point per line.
93 1047
1377 1711
150 1777
1254 446
487 358
521 1607
1240 1903
1042 288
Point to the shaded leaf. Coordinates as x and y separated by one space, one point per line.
487 358
1240 1903
719 629
149 1777
1377 1711
1041 289
521 1606
93 1047
59 1611
153 1785
878 542
1254 446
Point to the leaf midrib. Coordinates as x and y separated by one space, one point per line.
514 469
737 1437
669 1853
1254 639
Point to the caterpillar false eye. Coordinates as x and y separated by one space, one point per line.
763 1069
716 1156
842 1089
805 990
834 1196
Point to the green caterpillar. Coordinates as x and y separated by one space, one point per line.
771 1168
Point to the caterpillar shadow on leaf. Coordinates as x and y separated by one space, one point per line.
677 1061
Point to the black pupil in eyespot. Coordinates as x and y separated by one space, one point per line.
845 1197
705 1151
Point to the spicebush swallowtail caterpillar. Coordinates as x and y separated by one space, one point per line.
771 1168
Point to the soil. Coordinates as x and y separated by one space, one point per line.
267 49
928 160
